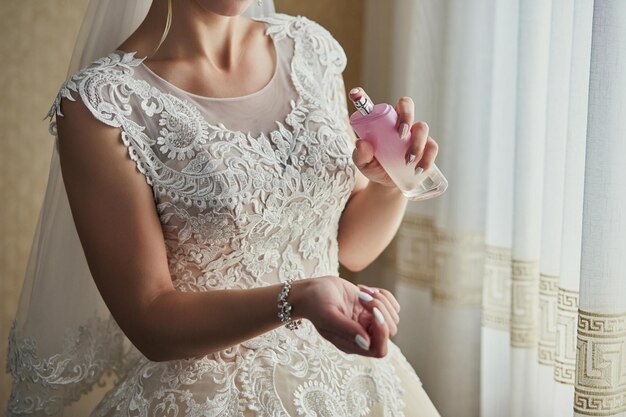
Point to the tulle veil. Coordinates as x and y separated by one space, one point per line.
64 348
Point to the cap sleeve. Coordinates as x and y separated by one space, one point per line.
106 88
333 61
165 135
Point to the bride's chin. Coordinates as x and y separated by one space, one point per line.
225 7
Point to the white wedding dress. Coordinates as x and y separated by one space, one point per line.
249 191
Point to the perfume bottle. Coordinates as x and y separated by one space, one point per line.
378 125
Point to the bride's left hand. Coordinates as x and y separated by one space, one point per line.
422 151
392 307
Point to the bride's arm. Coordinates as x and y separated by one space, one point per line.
369 221
376 206
119 228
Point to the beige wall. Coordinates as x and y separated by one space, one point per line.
37 41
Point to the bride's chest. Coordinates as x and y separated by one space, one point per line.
222 187
207 165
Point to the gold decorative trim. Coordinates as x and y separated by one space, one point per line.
414 250
450 263
600 388
496 302
459 267
565 350
524 303
548 290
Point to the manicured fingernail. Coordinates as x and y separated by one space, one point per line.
365 296
410 158
360 340
354 90
370 289
403 129
418 170
378 315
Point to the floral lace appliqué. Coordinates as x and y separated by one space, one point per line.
237 211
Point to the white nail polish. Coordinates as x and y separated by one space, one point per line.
365 296
370 289
360 340
378 315
354 91
419 171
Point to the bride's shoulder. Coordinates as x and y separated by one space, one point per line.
313 36
282 24
99 85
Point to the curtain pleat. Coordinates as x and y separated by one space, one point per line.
601 340
512 282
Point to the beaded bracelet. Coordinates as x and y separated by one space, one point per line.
284 308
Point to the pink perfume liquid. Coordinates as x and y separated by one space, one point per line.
378 125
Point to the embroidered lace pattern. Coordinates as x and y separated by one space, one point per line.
237 211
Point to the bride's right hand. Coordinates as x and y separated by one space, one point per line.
334 307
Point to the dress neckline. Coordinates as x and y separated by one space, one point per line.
263 89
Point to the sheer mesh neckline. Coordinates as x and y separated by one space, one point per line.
256 93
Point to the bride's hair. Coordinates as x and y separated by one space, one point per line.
168 22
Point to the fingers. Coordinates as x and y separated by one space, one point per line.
388 294
428 157
347 334
419 137
406 110
357 92
363 157
363 153
345 345
381 309
391 307
422 150
379 331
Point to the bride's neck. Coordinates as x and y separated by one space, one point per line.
195 32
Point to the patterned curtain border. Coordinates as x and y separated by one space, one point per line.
524 303
414 250
496 302
449 263
565 346
601 364
548 291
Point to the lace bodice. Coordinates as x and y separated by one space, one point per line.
249 191
229 174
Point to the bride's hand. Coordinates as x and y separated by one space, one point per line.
421 153
340 315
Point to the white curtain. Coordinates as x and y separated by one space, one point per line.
512 283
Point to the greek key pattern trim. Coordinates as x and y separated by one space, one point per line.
496 309
459 267
524 303
548 290
414 250
565 346
600 388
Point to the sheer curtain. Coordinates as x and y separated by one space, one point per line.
513 283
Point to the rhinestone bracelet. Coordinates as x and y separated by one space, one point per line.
284 308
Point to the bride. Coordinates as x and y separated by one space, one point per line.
215 185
